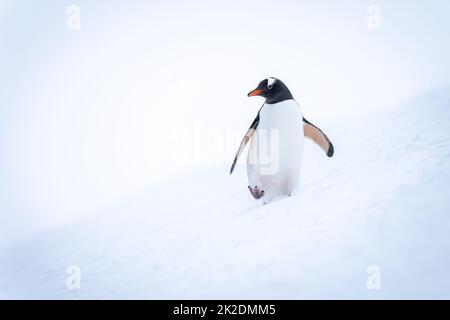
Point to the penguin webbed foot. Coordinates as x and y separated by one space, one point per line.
256 192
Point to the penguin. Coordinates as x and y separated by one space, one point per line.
276 138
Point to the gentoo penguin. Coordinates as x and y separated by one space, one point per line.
275 153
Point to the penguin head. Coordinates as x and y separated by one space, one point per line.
274 90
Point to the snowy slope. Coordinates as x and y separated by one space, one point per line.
382 200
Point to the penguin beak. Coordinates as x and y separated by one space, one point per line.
254 92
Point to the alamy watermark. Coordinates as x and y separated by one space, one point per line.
374 280
73 281
73 21
373 21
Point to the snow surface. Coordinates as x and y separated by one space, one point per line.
381 200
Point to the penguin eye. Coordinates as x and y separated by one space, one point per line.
269 86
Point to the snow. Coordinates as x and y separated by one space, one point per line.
381 200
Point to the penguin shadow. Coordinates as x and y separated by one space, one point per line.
265 204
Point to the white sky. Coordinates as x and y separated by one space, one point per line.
147 90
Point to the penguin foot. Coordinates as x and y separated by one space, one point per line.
256 192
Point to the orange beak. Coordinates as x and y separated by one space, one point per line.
254 93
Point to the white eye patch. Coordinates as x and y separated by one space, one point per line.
270 82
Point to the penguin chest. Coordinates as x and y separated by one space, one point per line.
275 153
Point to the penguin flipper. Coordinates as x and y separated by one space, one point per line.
317 135
245 140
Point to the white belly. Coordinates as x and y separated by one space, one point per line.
276 149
